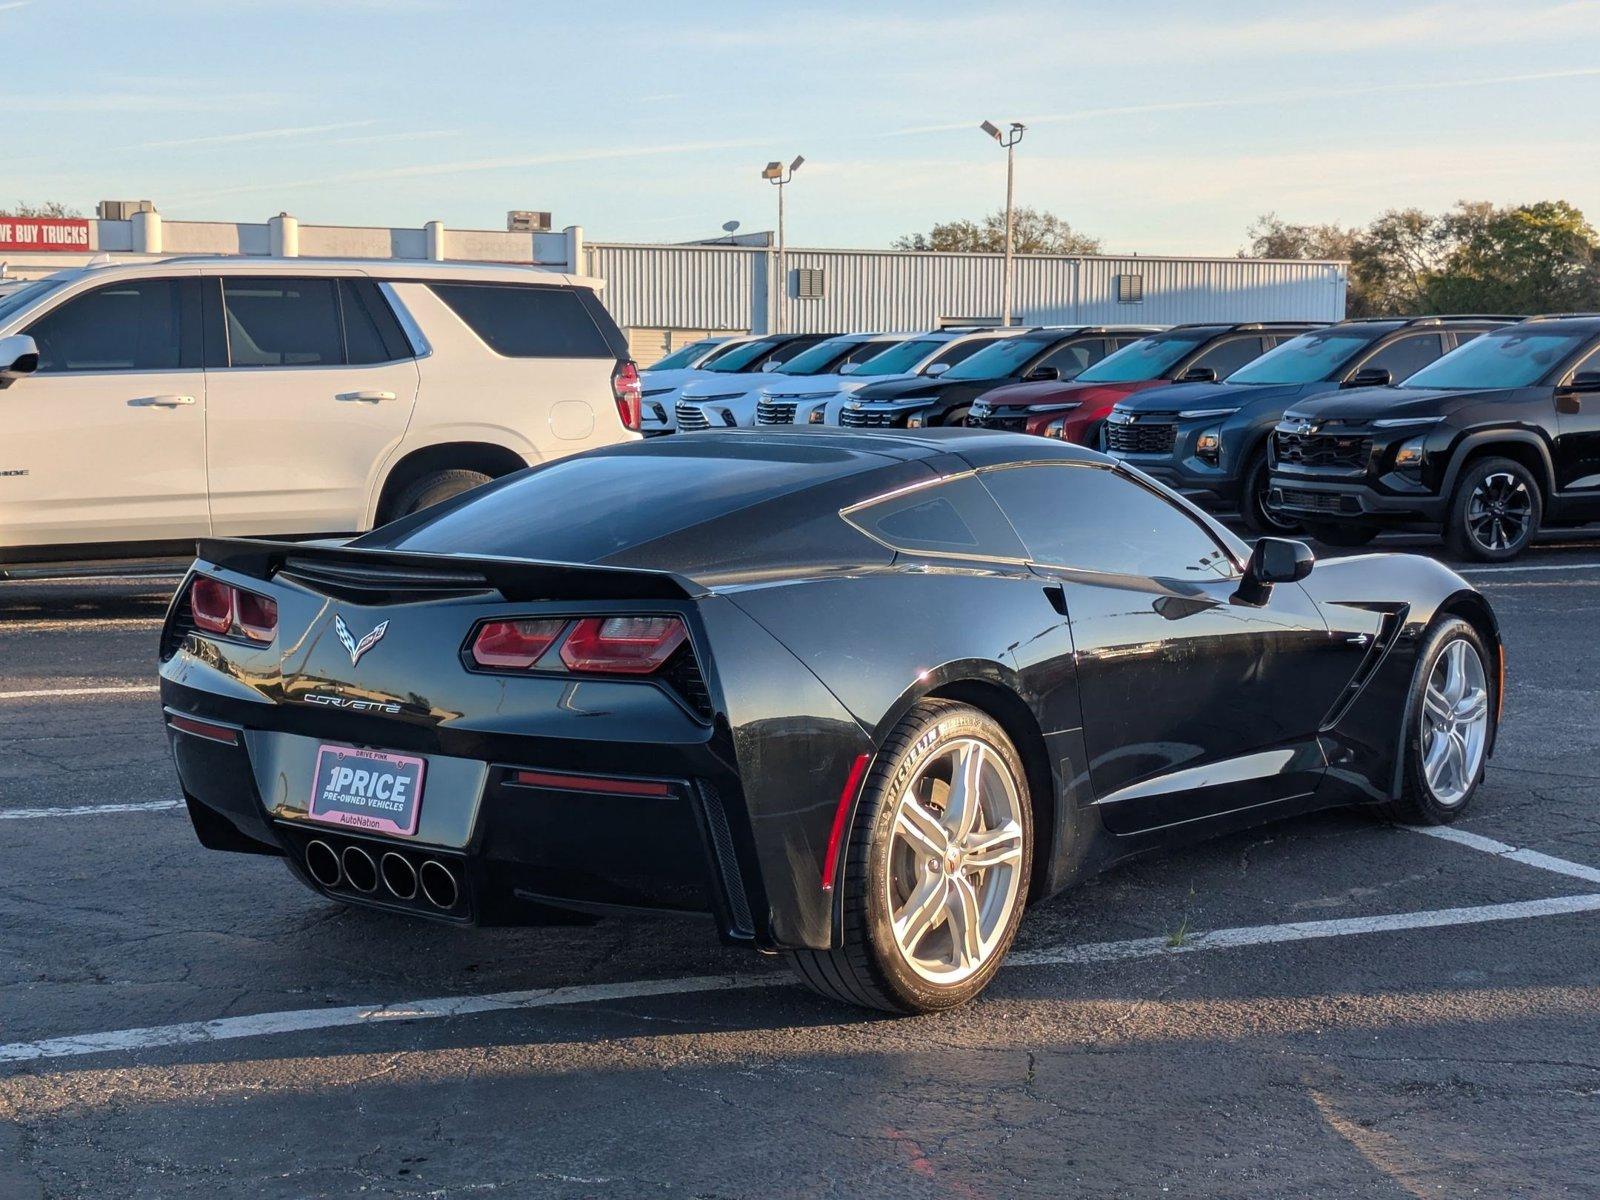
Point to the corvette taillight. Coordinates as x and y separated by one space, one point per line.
629 392
514 645
228 611
622 645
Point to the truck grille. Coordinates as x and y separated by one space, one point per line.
692 416
1141 439
1349 450
1326 502
869 418
775 412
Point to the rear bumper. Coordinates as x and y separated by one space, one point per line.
576 834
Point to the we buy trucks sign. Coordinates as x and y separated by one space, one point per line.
44 233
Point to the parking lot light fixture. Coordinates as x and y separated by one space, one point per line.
1009 140
775 173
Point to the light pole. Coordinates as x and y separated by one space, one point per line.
1009 140
776 174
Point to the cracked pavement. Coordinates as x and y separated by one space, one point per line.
1453 1061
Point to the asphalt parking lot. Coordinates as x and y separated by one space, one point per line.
1324 1008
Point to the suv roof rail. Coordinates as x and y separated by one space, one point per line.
1560 316
1281 325
1432 319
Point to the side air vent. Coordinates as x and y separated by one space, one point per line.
379 584
178 628
682 674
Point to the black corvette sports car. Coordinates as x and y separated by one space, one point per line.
859 696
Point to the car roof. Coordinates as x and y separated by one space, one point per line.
901 444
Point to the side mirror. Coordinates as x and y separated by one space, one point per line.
19 356
1370 377
848 368
1583 381
1043 374
771 364
1274 560
1199 375
936 369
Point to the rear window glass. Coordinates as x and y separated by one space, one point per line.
526 322
588 508
954 517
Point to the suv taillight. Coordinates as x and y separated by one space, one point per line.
629 393
227 611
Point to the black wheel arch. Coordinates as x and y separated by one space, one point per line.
1520 445
491 459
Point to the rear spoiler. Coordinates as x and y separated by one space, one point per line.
514 578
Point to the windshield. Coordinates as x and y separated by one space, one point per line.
1515 358
1148 358
818 358
683 356
999 361
1309 358
15 301
741 357
897 360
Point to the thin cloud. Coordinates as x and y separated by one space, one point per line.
1273 100
10 4
255 135
472 166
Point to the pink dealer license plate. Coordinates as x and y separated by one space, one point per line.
367 789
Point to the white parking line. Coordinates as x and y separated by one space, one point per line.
1545 567
130 689
85 810
302 1020
1528 858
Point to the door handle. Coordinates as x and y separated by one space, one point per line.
371 397
161 401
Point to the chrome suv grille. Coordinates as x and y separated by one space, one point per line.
1323 449
869 418
1136 438
691 416
775 412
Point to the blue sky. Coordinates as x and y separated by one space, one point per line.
1159 127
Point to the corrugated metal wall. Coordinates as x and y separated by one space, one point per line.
721 287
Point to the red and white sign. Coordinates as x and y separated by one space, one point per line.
44 233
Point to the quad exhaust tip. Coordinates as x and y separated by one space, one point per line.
323 864
439 885
359 869
399 876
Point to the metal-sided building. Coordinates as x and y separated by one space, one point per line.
663 295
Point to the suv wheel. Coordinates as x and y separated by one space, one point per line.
433 488
937 872
1495 512
1449 726
1255 501
1342 535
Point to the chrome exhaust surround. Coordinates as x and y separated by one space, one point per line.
359 869
322 863
399 876
439 884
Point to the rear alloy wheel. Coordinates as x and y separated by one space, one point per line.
434 488
937 872
1255 501
1449 726
1496 511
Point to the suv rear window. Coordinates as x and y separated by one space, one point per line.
526 322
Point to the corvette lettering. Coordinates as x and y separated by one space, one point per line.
378 706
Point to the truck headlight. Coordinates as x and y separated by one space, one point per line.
819 414
1056 428
915 422
1209 445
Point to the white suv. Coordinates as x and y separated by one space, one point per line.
150 404
717 401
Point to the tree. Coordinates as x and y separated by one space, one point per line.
1534 258
50 208
1032 232
1475 258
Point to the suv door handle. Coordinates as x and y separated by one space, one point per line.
161 401
373 397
